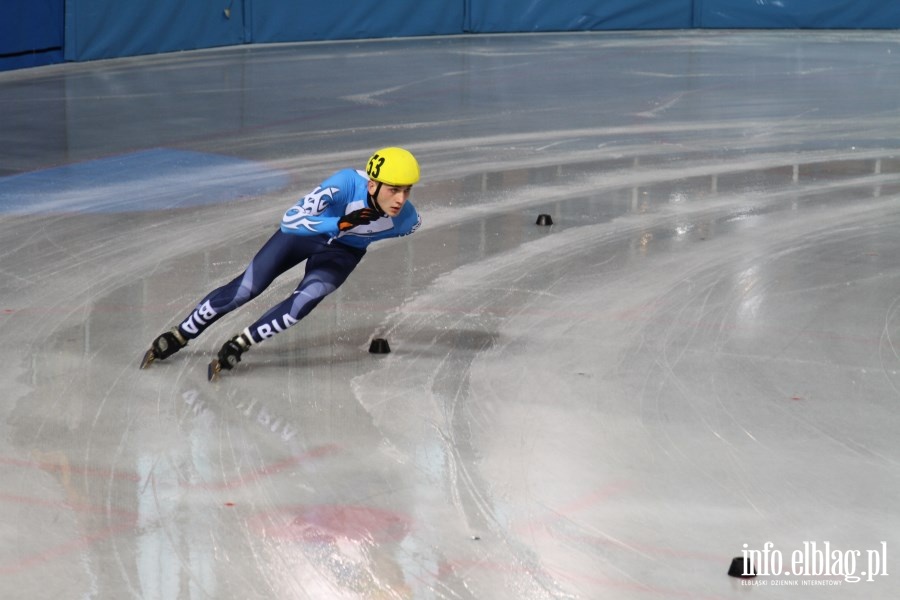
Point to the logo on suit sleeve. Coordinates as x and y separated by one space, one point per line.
312 204
317 201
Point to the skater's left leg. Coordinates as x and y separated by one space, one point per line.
325 272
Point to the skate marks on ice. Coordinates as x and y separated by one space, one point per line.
492 360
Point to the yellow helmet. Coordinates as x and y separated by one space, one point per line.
393 166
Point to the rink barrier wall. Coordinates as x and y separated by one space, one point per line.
797 14
509 16
35 32
31 33
279 21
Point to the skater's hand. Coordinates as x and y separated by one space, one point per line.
363 216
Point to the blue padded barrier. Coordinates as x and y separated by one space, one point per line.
490 16
279 21
111 28
31 33
794 14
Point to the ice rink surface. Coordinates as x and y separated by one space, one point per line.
698 358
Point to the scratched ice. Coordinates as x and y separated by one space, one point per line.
698 358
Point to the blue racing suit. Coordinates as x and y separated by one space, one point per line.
309 231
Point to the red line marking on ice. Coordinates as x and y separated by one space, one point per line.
268 471
594 498
80 508
124 520
596 540
568 511
49 466
577 505
463 566
316 523
638 313
629 585
63 549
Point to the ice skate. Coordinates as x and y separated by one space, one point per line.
229 356
164 346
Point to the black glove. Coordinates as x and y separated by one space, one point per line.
363 216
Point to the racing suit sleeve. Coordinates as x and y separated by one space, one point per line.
297 222
307 218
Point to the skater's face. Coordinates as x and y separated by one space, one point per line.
391 198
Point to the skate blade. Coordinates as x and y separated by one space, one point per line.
213 370
149 357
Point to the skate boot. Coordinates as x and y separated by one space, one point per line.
164 346
229 355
